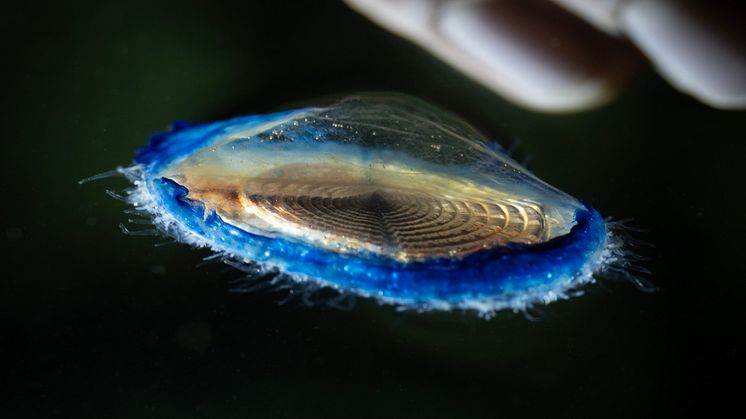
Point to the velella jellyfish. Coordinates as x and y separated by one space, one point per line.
382 197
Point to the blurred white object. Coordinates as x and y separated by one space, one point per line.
601 13
690 49
537 55
524 50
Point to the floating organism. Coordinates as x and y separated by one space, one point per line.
386 198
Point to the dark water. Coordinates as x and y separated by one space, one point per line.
98 324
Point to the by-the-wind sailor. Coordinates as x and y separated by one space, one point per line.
381 197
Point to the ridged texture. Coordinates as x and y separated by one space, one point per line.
398 223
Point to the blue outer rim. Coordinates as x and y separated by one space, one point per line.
487 274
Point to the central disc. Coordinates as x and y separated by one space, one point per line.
400 223
392 208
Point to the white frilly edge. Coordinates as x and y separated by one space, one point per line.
612 256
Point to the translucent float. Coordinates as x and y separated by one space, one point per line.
381 197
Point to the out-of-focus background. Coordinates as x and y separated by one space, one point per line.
99 324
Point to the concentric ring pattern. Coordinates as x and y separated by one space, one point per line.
396 222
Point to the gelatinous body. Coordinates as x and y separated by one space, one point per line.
388 198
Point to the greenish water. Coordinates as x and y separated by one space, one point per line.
99 324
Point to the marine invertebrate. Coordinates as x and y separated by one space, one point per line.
388 198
